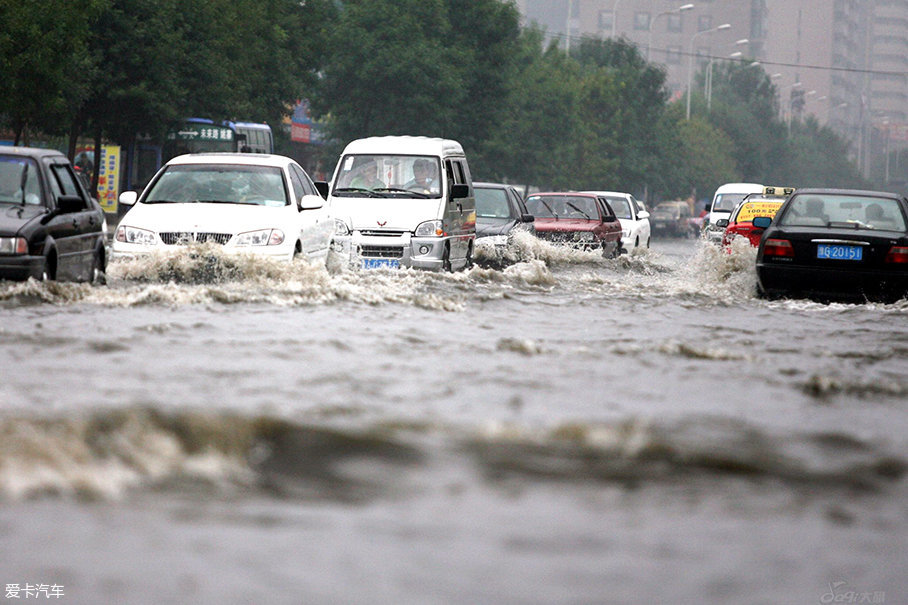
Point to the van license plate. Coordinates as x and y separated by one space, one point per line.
840 252
381 263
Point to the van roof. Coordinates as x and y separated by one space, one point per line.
405 145
740 188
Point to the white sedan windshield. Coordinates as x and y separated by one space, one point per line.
221 183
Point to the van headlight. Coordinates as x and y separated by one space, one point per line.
584 236
430 229
131 235
263 237
340 227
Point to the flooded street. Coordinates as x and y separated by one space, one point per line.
548 427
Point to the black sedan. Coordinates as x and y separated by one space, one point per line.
831 244
500 211
49 226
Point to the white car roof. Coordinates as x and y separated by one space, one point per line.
404 145
250 159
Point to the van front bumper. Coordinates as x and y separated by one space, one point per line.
405 250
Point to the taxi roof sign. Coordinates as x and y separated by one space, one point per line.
783 191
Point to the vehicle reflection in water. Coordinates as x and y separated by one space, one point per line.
549 426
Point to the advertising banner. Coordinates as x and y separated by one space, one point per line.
108 173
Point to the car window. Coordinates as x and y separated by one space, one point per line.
563 206
308 187
621 206
380 176
19 181
65 180
220 183
836 210
726 202
756 207
492 203
298 189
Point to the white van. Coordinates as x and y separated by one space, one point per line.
724 201
402 201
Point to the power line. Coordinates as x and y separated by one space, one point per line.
682 53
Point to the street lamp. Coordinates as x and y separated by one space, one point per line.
649 44
708 88
615 17
781 104
690 64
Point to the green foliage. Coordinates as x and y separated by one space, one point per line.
464 69
390 70
44 60
820 159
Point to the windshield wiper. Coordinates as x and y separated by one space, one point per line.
162 202
407 191
549 208
368 192
571 205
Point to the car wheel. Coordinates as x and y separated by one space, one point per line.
49 272
469 260
446 259
98 277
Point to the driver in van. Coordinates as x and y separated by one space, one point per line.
423 177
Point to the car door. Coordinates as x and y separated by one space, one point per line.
460 213
76 225
315 228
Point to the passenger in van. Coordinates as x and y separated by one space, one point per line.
366 176
424 178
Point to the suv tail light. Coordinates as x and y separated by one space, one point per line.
897 254
778 247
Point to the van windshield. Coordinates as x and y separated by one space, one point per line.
726 202
403 176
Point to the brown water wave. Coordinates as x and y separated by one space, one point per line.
109 453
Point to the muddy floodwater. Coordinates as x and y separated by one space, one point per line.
548 427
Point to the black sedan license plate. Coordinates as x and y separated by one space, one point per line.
837 252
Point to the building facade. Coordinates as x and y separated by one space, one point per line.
845 62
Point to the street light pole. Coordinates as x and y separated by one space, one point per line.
708 88
690 63
615 18
649 43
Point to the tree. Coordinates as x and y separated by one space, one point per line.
45 62
533 141
390 71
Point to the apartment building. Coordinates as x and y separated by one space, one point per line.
678 34
843 61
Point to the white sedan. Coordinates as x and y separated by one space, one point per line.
254 203
634 219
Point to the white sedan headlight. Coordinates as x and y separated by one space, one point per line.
430 229
131 235
263 237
